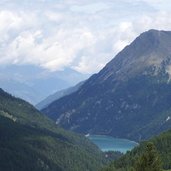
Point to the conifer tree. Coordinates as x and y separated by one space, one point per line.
149 160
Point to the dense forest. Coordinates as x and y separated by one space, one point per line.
31 141
158 148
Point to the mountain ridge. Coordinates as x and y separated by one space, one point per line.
134 86
33 83
59 94
139 43
27 136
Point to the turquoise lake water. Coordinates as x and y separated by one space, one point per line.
107 143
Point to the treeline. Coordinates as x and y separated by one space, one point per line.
155 153
148 160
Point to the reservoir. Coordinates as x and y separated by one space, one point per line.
108 143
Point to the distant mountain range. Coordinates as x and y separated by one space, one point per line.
34 84
31 141
44 103
129 98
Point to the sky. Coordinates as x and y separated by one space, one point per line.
82 35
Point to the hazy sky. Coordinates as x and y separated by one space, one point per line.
79 34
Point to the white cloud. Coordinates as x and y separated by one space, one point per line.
83 35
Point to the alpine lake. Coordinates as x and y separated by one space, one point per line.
108 143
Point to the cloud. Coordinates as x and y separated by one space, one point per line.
82 35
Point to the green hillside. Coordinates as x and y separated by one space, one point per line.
30 141
163 147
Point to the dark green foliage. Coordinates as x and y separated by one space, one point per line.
149 160
140 153
113 155
18 149
30 141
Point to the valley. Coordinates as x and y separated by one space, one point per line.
124 112
85 85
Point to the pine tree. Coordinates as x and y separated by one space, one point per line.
149 160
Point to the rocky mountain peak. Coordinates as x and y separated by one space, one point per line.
129 98
151 48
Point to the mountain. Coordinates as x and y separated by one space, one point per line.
44 103
33 83
129 98
31 141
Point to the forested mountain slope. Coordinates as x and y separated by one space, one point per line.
31 141
163 147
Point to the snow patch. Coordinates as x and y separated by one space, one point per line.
87 135
168 70
168 118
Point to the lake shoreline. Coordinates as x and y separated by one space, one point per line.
109 143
